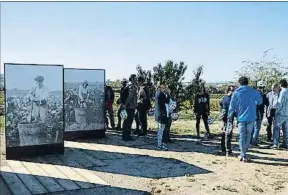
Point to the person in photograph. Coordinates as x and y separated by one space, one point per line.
244 101
281 118
202 110
260 109
109 100
130 105
83 94
39 97
272 97
143 106
162 119
166 134
119 102
226 137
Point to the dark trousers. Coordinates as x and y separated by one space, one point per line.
141 121
226 140
205 120
127 124
166 134
271 118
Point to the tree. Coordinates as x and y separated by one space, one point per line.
192 89
171 74
147 75
268 69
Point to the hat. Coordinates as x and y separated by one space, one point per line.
39 79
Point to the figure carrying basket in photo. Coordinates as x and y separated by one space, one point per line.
81 112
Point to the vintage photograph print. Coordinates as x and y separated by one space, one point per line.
34 104
84 99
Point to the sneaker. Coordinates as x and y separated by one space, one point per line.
210 136
274 147
246 159
163 147
240 158
229 154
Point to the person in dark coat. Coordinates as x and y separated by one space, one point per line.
119 102
143 106
202 110
226 137
130 105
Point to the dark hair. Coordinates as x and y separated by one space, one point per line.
283 83
243 81
202 87
141 79
229 88
132 77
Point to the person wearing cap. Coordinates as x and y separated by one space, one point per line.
39 97
119 102
272 97
83 94
130 105
260 109
281 118
244 101
109 100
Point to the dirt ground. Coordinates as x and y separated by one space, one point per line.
190 166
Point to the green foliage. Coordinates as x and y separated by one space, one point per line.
191 90
267 69
171 74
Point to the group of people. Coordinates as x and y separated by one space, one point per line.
247 106
135 100
251 108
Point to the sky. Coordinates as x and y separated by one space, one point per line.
78 76
117 36
28 73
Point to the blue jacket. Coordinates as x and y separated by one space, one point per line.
244 101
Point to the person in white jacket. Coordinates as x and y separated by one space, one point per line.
39 97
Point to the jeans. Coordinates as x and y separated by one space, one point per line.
256 131
280 122
127 124
160 131
245 133
119 125
226 140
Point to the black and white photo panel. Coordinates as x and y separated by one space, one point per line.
34 104
84 99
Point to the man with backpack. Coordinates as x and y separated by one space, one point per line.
143 106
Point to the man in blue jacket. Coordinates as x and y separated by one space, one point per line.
244 101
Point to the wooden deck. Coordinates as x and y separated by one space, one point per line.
71 173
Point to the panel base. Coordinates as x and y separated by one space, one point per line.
89 134
16 153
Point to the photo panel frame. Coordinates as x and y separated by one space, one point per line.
84 103
34 107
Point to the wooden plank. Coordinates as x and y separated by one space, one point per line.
52 171
50 183
86 153
97 152
69 172
91 177
34 186
14 183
